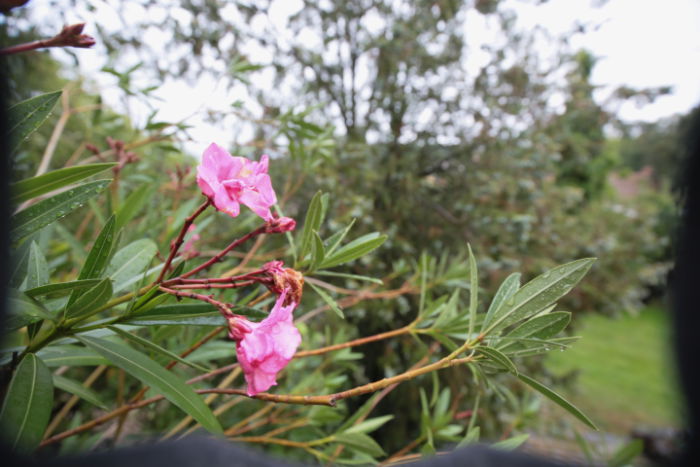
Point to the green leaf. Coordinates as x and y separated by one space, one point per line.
70 355
337 238
506 290
91 300
49 210
37 268
353 250
79 390
312 222
26 116
498 357
369 425
543 327
328 299
99 253
133 203
149 372
472 437
201 314
350 276
131 261
363 411
36 186
317 252
539 293
61 288
557 399
24 311
97 259
156 348
627 453
27 407
511 443
359 442
19 263
473 290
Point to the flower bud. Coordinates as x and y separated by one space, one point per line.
280 225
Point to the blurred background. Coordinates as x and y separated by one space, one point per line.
537 131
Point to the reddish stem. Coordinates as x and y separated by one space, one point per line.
180 238
225 251
213 286
218 280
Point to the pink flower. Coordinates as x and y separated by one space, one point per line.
265 348
229 181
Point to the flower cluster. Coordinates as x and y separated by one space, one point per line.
264 348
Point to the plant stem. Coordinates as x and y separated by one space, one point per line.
223 252
180 238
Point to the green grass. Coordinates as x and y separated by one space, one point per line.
625 371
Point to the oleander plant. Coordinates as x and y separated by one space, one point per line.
149 304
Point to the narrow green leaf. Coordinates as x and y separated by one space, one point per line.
156 348
99 254
24 311
337 238
312 222
70 355
26 116
511 443
149 372
543 327
131 261
557 399
369 425
92 299
585 448
27 407
498 357
328 299
472 437
133 204
359 442
353 250
36 186
79 390
363 411
539 293
19 263
506 290
317 252
201 314
37 268
473 291
49 210
61 288
627 453
349 276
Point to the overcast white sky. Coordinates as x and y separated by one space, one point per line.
641 43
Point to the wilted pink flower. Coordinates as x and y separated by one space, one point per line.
229 180
265 348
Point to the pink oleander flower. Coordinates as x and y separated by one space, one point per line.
265 348
229 181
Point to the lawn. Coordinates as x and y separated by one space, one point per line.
625 372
